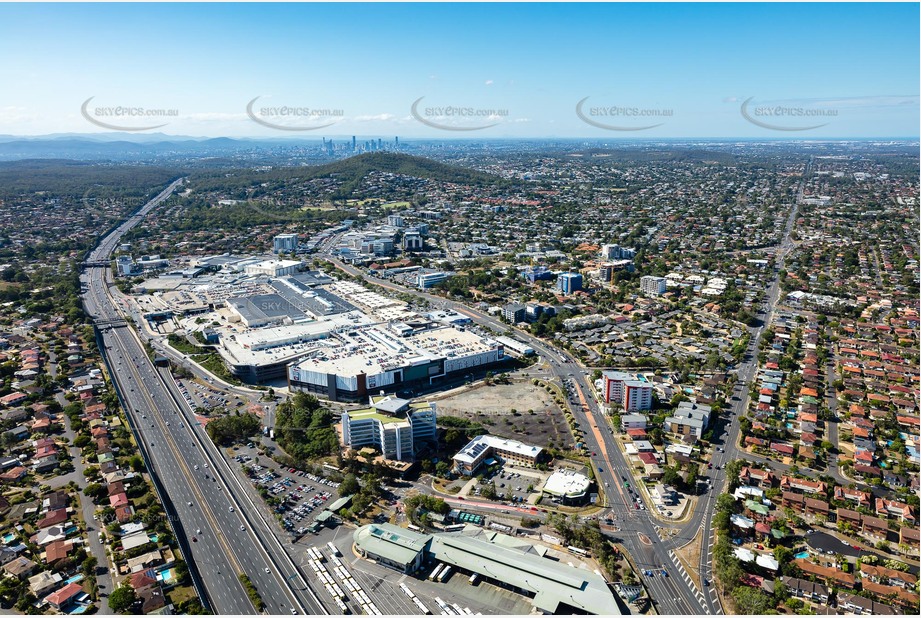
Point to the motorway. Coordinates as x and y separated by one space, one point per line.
638 531
218 527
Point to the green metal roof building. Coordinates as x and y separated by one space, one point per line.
392 546
554 587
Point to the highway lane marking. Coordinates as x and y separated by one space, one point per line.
205 510
199 442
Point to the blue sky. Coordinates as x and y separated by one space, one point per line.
521 68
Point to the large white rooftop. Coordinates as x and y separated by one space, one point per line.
567 483
470 452
269 345
375 349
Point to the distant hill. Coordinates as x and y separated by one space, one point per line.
83 148
348 172
355 168
57 178
658 154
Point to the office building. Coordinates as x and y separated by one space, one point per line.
652 286
286 243
412 240
152 262
394 426
514 313
568 283
126 265
395 220
483 449
425 281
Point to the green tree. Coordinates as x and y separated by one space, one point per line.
136 463
122 599
349 485
89 566
752 601
94 491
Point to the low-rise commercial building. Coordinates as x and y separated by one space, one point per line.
273 268
553 587
632 421
568 486
425 281
483 448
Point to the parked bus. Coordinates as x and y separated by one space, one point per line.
474 578
445 574
578 552
436 572
333 549
422 606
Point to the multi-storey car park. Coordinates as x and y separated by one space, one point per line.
351 363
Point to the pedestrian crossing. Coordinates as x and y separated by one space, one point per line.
690 583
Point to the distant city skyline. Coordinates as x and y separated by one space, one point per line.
447 71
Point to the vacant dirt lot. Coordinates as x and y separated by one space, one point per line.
519 411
